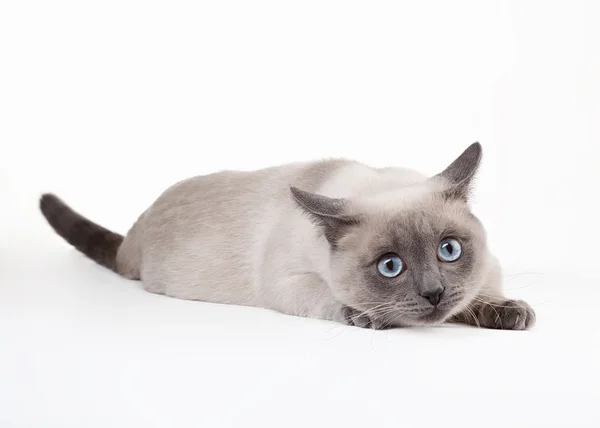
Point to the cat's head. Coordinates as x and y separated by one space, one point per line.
411 256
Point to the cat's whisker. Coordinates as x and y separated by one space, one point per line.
541 274
512 300
375 308
370 312
470 311
498 317
382 313
396 313
378 304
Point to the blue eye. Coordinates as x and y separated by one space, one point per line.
449 250
390 265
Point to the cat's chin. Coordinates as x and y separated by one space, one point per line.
435 316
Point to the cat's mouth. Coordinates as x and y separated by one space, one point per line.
439 313
434 315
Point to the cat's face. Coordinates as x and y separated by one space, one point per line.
413 267
414 262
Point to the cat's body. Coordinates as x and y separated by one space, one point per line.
248 238
245 241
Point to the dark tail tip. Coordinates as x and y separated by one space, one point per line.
49 203
96 242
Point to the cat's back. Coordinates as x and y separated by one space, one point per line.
237 195
210 228
230 207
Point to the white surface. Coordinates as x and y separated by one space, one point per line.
82 347
161 91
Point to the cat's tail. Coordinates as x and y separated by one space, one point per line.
96 242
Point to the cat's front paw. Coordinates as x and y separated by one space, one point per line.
353 317
507 315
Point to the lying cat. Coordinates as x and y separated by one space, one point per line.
331 239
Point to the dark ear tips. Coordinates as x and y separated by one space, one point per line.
460 173
475 152
327 213
298 195
318 205
466 163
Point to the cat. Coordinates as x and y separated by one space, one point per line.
332 239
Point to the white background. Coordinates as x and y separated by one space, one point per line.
108 103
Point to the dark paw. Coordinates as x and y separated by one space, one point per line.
357 318
507 315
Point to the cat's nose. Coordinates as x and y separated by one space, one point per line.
434 295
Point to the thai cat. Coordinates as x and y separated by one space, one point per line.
331 239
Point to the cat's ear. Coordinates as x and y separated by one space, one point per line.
328 213
460 173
